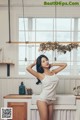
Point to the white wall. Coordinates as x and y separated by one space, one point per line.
34 8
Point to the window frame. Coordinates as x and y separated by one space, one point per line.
75 36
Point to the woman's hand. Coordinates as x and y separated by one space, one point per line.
50 66
35 62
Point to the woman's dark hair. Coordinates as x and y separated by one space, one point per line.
38 66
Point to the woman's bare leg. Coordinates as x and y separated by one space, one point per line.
50 109
43 110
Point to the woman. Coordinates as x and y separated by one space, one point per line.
49 81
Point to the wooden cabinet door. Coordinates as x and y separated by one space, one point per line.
19 110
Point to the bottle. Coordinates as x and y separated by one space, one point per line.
29 91
22 89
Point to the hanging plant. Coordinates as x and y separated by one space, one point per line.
56 46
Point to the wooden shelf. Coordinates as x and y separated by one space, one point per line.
16 42
7 63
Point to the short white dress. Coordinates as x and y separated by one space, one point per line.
49 84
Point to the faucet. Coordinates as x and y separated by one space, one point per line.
76 90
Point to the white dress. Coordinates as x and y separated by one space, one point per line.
49 84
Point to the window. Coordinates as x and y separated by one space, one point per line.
48 29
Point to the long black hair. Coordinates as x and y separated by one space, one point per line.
39 67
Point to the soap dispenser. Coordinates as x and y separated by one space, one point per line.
22 89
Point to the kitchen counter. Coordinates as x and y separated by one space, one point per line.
17 96
66 102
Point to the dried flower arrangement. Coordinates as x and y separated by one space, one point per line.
56 46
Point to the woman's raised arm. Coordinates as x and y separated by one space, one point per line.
33 72
61 67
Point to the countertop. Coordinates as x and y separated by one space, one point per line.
17 96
